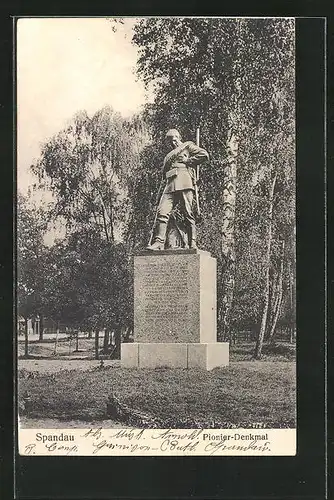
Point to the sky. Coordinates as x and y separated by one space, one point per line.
67 65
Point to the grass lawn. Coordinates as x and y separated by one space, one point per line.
245 394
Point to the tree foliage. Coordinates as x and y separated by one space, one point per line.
229 75
31 257
87 166
89 285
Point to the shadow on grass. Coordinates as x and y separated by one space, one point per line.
57 357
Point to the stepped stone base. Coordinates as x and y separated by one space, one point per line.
175 355
175 312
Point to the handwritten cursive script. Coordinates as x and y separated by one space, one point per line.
172 442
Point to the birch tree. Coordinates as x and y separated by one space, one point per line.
87 165
234 78
260 338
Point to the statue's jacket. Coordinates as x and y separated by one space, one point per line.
178 166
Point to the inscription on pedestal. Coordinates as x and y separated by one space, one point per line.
170 290
166 298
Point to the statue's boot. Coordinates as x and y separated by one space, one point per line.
192 237
160 237
157 245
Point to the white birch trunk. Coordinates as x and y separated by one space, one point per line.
227 230
259 342
278 301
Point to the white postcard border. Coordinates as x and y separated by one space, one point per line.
157 442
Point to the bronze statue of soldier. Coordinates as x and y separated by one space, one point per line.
179 176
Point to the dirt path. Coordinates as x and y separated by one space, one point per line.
56 365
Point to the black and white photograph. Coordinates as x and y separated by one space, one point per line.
156 236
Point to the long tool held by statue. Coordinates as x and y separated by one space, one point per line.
156 213
197 177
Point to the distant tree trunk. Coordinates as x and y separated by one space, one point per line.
260 338
97 334
228 242
106 341
274 328
127 333
26 338
105 226
278 302
272 303
111 217
41 327
90 333
56 341
69 343
117 351
108 228
77 341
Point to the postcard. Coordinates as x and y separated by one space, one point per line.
156 235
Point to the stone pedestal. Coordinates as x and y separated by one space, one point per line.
175 312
